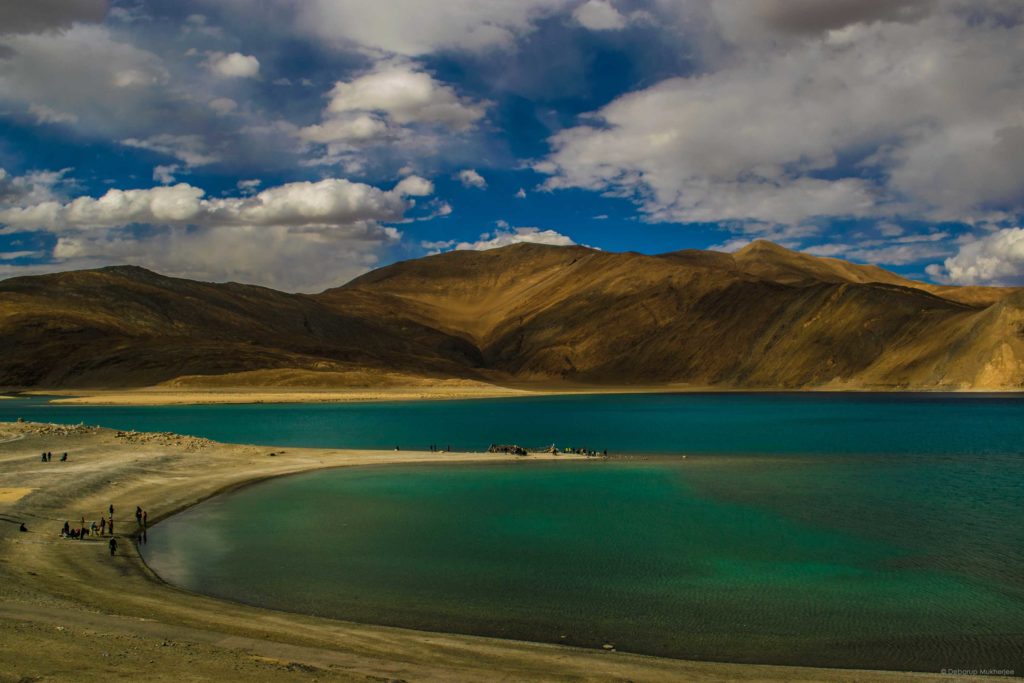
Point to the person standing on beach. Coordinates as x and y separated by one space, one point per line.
113 546
145 521
103 525
138 515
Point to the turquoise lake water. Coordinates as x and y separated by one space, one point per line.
640 423
879 531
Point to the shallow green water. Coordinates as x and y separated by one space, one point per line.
902 562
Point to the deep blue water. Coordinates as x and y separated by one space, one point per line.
761 423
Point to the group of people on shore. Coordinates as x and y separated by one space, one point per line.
47 456
552 449
105 528
583 451
434 448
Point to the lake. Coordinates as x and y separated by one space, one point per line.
758 423
853 530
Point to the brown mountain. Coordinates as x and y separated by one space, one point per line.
764 317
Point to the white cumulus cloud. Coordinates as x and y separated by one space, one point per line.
396 112
404 94
348 129
233 65
996 258
334 201
599 15
869 109
502 236
411 27
301 236
470 178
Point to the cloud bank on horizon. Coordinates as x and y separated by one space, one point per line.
298 144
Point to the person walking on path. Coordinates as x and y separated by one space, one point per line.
113 546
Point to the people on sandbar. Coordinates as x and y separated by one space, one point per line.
581 451
64 458
113 546
23 528
103 525
138 515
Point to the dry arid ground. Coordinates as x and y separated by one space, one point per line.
524 316
70 612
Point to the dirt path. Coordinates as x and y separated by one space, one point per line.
68 611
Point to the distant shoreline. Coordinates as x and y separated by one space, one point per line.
161 396
55 588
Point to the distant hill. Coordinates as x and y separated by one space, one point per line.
764 317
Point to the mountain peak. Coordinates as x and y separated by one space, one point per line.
763 247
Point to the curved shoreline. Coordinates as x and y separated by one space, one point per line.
62 602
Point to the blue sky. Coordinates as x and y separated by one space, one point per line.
296 144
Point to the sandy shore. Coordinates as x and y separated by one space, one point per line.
68 611
159 396
162 396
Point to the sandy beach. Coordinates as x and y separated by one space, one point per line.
157 396
68 611
438 390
